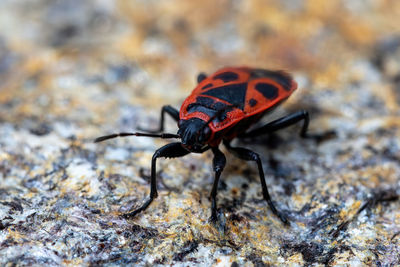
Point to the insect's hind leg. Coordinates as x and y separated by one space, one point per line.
172 150
173 112
280 124
287 121
248 155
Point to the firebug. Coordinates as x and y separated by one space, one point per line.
224 106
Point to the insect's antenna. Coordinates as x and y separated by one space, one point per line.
110 136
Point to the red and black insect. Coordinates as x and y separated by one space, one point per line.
222 107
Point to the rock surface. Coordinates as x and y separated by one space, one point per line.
73 70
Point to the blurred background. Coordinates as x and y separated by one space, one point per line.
83 59
72 70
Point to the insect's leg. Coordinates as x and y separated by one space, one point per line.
219 162
282 123
172 150
173 112
248 155
201 77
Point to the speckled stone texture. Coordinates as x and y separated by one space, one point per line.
72 70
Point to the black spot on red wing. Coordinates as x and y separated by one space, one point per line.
226 76
280 77
234 94
267 90
207 86
252 102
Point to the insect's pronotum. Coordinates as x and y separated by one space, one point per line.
222 107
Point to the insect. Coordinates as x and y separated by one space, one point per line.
224 106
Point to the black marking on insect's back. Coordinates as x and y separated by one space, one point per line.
207 86
202 109
267 90
204 101
208 102
280 77
252 102
227 76
210 107
234 94
221 106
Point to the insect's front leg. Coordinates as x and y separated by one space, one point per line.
173 112
219 162
172 150
248 155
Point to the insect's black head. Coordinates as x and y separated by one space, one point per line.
194 134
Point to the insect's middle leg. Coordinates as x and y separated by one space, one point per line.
219 162
280 124
173 112
248 155
172 150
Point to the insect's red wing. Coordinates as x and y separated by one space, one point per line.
267 89
248 91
